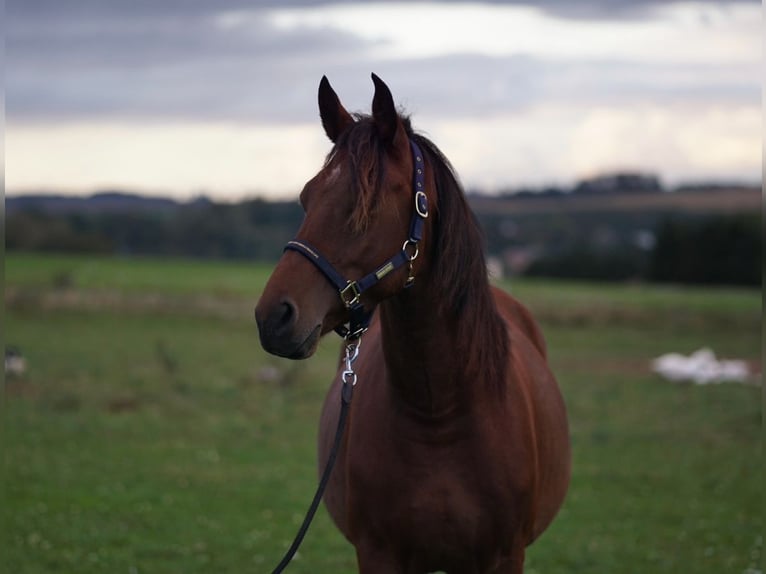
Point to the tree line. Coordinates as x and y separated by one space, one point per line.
712 248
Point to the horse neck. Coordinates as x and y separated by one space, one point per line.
440 356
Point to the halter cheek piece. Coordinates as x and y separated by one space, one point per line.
351 291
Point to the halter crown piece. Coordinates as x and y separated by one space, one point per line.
351 291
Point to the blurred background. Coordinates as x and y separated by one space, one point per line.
596 138
154 152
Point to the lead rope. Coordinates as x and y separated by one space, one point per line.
348 377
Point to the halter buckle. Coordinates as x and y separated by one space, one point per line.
421 204
351 289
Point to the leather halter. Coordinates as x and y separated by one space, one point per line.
351 291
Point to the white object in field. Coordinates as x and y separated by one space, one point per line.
701 368
15 364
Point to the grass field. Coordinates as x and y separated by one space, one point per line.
151 434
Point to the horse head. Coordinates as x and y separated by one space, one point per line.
358 211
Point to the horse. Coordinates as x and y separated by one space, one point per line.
456 454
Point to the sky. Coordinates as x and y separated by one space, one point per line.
191 97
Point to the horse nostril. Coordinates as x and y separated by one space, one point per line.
286 315
288 312
276 321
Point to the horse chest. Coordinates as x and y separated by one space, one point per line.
438 501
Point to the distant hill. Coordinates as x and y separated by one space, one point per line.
102 202
596 232
687 200
702 198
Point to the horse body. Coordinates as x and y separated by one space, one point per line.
460 484
456 452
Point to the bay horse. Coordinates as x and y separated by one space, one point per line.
456 454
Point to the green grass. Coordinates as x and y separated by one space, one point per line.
146 439
135 274
638 304
667 478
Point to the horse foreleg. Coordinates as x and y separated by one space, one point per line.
514 564
377 561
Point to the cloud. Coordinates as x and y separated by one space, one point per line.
283 90
547 144
134 93
230 61
192 9
166 65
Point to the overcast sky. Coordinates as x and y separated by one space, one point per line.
185 97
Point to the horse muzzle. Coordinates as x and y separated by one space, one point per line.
280 331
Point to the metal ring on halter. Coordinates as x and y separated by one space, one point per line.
352 352
410 243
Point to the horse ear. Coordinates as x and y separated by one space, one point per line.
384 113
335 118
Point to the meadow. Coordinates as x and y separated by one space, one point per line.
151 434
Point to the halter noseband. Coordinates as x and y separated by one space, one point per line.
351 291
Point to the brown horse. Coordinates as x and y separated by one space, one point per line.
456 453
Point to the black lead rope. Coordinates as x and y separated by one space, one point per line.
347 390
